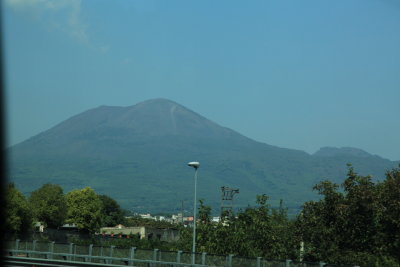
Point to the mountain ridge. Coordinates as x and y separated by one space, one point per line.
330 151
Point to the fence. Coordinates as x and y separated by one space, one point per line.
116 256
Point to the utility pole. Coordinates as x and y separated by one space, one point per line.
227 194
182 213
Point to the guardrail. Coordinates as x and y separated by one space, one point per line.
37 262
59 254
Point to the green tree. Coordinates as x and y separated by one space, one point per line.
360 213
256 231
286 241
48 205
357 225
203 226
112 213
320 223
18 216
84 209
204 212
389 214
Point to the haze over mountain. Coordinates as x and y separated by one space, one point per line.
138 156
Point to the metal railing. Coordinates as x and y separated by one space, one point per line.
117 256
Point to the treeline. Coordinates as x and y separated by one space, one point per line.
82 207
50 206
357 222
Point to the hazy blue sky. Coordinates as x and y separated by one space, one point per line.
298 74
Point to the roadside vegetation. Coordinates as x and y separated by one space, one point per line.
356 222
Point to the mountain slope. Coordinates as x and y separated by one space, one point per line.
138 156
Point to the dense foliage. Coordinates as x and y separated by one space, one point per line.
48 205
356 222
84 209
111 212
253 232
18 214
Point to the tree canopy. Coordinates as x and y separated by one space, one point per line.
84 209
18 214
49 205
359 223
253 232
111 213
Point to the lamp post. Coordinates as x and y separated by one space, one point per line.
195 165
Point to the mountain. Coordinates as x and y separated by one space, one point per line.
138 156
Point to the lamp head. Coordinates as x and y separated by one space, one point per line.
194 164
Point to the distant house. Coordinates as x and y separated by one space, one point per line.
160 218
39 227
215 219
147 216
177 218
188 219
144 232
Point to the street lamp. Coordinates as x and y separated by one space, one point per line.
195 165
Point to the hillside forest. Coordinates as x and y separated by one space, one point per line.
356 222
